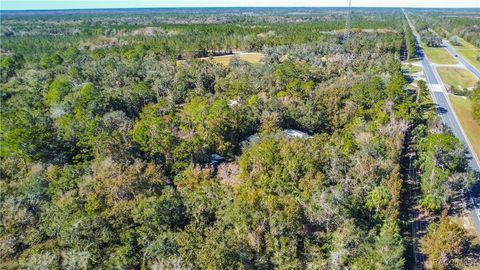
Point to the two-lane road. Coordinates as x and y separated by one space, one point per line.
462 60
440 98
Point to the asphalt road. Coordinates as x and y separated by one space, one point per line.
440 98
462 60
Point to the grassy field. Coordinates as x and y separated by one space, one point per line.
253 58
411 68
464 111
457 77
439 55
249 57
470 52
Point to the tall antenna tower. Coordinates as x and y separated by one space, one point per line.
346 34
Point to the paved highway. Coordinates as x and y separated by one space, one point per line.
462 60
440 98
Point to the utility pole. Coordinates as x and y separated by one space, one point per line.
346 34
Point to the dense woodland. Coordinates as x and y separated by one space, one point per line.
448 23
120 149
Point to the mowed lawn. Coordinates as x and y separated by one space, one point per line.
439 55
411 68
470 52
253 58
464 111
457 77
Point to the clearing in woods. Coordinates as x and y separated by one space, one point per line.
253 58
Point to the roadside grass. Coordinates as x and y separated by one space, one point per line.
470 52
408 70
412 69
439 55
464 111
253 58
413 60
457 77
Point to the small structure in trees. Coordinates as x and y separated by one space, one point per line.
293 133
216 159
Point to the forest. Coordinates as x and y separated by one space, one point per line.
123 148
447 23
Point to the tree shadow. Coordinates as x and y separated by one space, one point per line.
427 107
408 78
470 253
465 201
474 191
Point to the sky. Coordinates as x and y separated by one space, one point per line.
74 4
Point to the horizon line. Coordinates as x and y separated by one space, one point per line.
201 7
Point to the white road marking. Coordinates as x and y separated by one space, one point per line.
447 117
435 87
